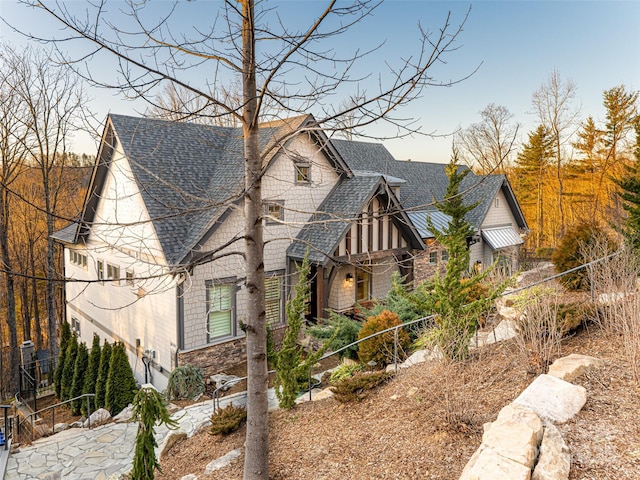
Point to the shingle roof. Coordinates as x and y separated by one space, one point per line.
426 182
325 228
187 173
66 234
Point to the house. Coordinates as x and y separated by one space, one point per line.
157 251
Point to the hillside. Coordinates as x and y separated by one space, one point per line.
427 422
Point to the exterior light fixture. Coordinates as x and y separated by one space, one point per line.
348 280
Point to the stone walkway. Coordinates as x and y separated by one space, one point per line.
105 451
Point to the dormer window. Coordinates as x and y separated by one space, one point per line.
303 172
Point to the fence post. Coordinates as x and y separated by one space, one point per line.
395 348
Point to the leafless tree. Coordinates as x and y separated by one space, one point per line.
488 144
291 71
553 104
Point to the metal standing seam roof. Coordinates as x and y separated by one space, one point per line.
501 237
419 219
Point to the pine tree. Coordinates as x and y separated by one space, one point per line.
150 410
65 335
91 377
533 163
630 185
66 380
288 362
80 368
103 373
452 301
121 384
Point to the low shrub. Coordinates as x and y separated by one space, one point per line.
344 371
185 383
357 387
227 420
339 331
380 349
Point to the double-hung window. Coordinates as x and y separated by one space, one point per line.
220 309
363 285
100 269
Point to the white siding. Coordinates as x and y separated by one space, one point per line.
116 310
499 215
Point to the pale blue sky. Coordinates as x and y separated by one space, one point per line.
516 43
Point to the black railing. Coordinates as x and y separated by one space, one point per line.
33 416
7 431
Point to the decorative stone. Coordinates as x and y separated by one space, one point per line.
505 330
125 415
487 464
515 434
572 366
173 437
420 356
223 381
552 399
222 462
324 394
96 418
60 427
172 408
191 476
554 461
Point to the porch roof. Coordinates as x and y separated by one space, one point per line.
501 237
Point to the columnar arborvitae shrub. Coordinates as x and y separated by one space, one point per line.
66 380
289 363
91 377
65 335
185 382
103 373
150 410
82 360
121 384
381 348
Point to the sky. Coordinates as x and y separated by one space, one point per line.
512 46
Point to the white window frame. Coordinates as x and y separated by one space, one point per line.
222 307
113 273
78 259
302 177
100 269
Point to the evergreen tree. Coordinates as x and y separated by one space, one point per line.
533 163
451 296
79 371
288 362
630 186
91 377
103 373
65 335
121 384
150 410
66 380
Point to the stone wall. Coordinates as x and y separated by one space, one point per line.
423 268
222 356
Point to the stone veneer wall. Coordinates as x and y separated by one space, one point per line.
422 268
222 356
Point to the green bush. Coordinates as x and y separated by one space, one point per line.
121 384
185 382
103 373
65 335
570 253
66 381
91 377
380 348
227 420
399 301
79 371
344 371
339 331
357 387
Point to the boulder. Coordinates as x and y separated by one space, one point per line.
223 381
515 434
191 476
172 437
59 427
326 393
552 399
487 464
572 366
125 415
419 356
98 417
554 461
223 461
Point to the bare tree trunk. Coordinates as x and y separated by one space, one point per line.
14 362
34 298
256 463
